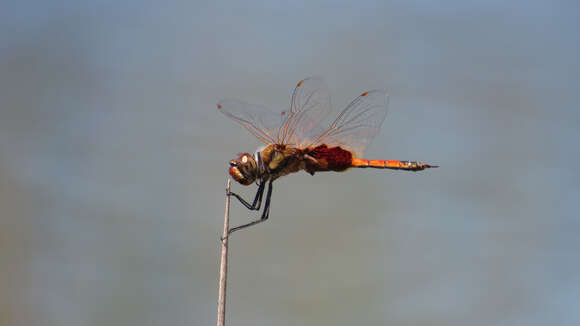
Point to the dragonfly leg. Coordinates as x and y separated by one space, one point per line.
257 202
265 213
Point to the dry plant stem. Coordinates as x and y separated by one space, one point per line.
221 317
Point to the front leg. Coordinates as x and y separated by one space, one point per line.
265 213
255 206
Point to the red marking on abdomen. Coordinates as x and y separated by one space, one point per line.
330 159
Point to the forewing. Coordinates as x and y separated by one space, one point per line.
262 123
358 124
310 104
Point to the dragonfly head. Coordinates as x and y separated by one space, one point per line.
244 169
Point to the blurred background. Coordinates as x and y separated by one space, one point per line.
113 164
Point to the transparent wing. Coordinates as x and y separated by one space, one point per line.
262 123
358 124
354 128
310 104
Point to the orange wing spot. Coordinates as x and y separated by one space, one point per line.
219 106
364 94
300 83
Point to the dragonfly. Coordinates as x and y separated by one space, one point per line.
294 139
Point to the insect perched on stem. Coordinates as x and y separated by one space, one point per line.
295 141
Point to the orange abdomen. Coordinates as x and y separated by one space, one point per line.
338 159
390 164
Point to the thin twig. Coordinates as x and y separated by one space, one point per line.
221 317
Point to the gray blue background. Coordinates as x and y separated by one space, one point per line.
113 164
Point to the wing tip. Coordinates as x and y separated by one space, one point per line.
381 91
310 79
